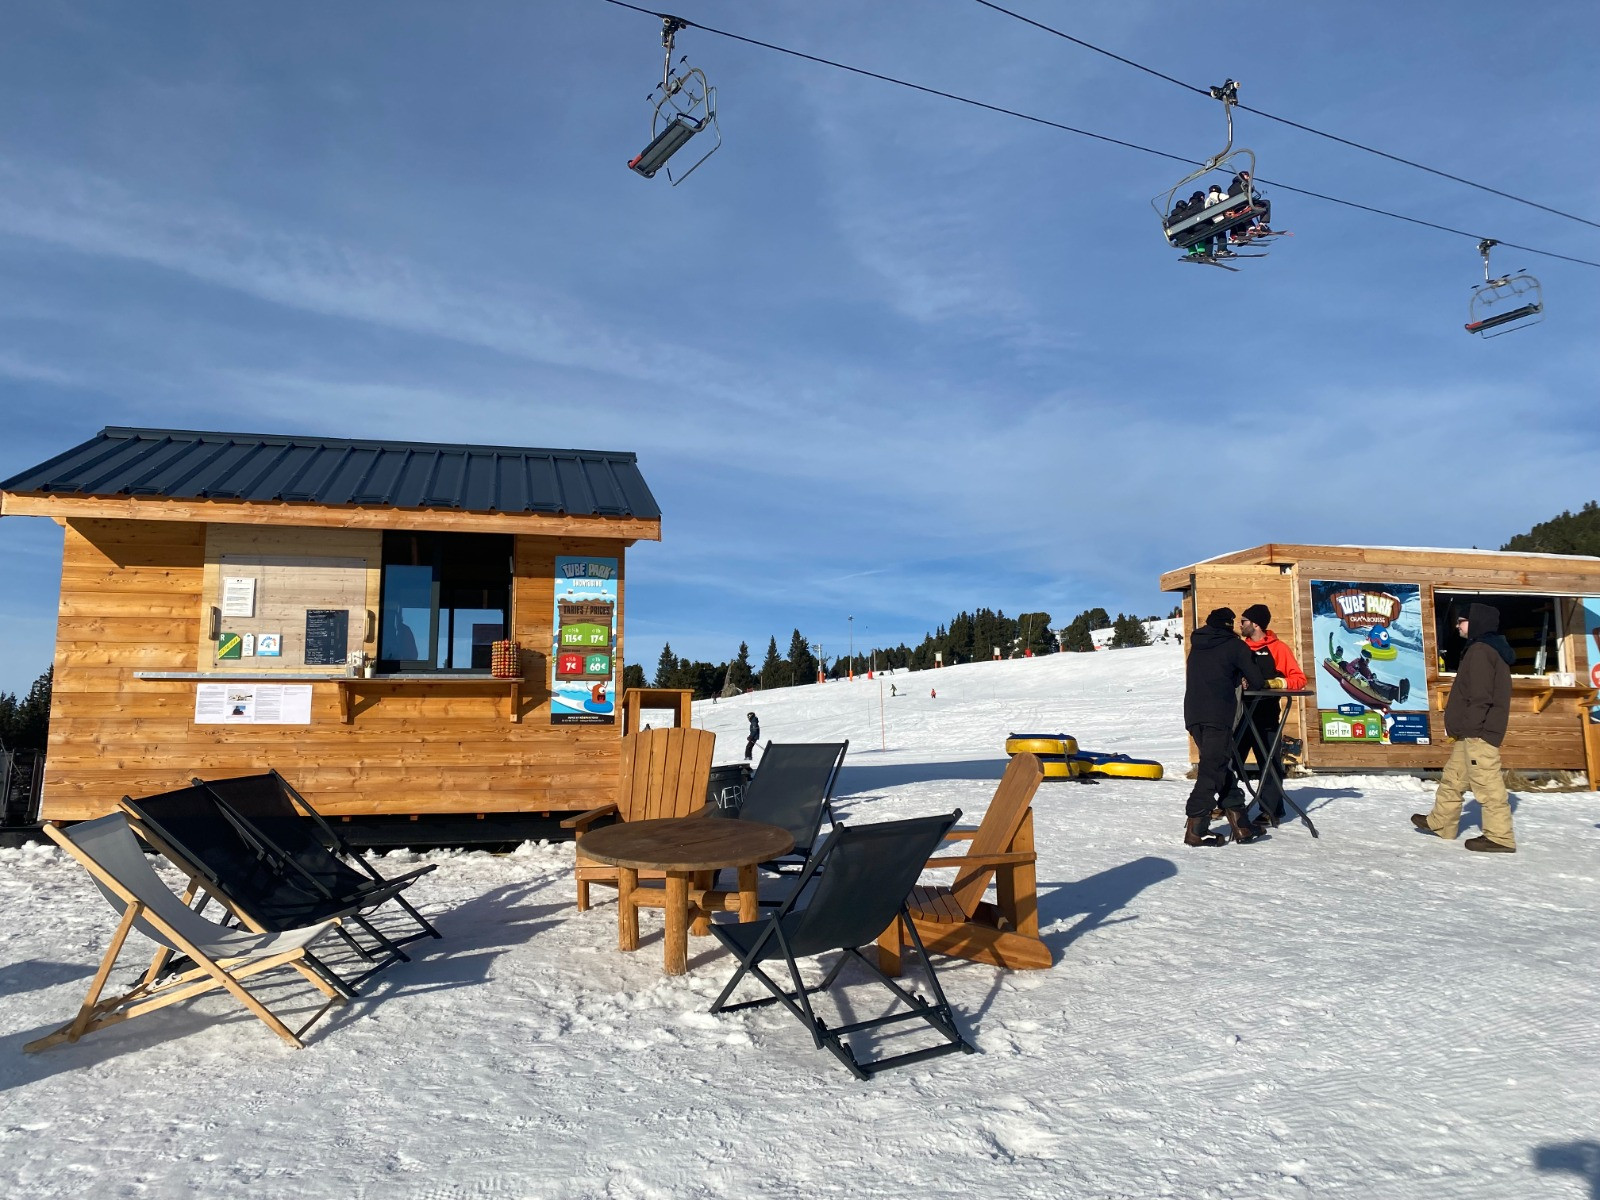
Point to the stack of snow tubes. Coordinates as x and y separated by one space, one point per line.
1062 759
1056 751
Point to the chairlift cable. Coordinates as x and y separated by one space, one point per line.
1332 137
1099 137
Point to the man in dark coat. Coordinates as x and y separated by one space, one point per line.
755 736
1218 660
1475 719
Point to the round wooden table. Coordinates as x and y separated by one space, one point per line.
688 850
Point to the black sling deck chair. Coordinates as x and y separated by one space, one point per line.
285 822
265 890
793 789
859 880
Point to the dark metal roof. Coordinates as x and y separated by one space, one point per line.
177 464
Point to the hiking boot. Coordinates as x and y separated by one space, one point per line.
1483 843
1196 833
1239 826
1420 820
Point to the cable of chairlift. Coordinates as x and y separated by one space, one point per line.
1099 137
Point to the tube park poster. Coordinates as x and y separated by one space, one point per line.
1591 630
1371 672
584 657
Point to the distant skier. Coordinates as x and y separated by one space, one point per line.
755 736
891 689
933 693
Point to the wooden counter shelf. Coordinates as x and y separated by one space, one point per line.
350 685
1528 693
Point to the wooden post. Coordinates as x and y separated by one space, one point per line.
627 911
675 951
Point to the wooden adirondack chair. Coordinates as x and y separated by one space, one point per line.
664 773
956 920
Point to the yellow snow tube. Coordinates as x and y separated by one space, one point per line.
1046 745
1059 767
1119 766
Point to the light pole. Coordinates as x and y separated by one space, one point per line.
852 621
817 646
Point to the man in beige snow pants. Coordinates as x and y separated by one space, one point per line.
1475 717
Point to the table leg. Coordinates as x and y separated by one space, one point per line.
627 911
675 942
700 925
749 895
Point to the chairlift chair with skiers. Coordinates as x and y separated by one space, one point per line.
683 104
1189 225
1504 303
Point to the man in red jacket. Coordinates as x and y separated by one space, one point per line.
1278 665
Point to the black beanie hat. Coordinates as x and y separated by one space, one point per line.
1220 618
1258 613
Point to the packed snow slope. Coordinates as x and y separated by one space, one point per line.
1375 1014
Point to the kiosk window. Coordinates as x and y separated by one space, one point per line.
446 598
1532 624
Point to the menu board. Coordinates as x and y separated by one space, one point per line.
583 661
327 636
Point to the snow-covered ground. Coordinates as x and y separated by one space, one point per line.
1375 1014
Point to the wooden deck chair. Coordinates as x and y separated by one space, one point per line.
218 957
957 920
664 773
859 879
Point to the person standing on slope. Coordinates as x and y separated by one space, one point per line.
1278 665
755 736
1218 661
1475 719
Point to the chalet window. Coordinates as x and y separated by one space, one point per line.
446 598
1529 623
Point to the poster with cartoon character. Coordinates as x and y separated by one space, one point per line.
583 661
1369 659
1591 630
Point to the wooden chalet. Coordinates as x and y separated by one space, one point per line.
1368 623
330 608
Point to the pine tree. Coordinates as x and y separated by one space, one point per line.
1076 637
773 671
802 662
666 667
1129 631
632 676
25 723
739 674
1570 533
1034 633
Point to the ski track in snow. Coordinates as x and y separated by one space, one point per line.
1375 1014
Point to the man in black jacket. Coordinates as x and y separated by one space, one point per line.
755 736
1218 660
1475 718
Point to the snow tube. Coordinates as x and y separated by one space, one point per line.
1058 745
1359 687
1117 765
1058 766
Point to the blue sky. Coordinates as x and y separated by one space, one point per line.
883 355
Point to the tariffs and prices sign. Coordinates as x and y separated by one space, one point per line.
583 660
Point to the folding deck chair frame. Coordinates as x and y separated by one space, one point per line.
788 932
108 851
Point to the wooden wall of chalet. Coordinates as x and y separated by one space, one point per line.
131 600
1551 739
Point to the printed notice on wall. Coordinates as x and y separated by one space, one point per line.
584 657
238 596
252 704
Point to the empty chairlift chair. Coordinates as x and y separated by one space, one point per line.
217 957
854 886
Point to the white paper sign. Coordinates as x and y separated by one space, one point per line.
238 596
252 704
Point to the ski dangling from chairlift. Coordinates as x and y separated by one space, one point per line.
1505 303
683 104
1205 224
